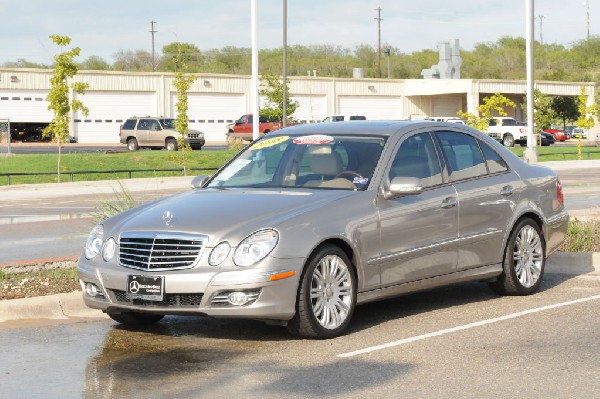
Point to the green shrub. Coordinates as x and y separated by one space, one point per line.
582 236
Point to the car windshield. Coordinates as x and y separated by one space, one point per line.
344 162
168 123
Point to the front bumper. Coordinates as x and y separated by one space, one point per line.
197 291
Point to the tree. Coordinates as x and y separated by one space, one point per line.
139 60
495 104
179 55
58 97
565 108
182 84
543 113
95 63
273 90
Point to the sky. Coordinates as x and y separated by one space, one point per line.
103 28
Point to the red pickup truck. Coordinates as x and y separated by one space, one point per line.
241 129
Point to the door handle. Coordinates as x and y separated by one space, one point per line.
507 190
449 202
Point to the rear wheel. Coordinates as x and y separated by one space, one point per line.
171 145
326 296
524 260
132 145
136 319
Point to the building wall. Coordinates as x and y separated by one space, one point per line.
216 100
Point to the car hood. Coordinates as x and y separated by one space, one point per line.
223 214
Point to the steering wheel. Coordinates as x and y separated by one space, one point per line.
350 173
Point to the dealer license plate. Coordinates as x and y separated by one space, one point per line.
149 288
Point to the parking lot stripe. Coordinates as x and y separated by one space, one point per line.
465 327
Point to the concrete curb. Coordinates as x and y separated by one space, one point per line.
71 305
56 307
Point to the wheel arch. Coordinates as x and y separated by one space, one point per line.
530 214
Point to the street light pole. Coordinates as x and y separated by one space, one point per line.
284 116
255 98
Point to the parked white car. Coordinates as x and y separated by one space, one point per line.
343 118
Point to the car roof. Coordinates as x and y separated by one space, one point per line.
362 127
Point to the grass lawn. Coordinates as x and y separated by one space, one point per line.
561 153
138 160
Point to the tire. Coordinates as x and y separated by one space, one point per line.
508 140
136 319
326 295
132 145
524 260
171 145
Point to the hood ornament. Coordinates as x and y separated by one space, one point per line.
167 217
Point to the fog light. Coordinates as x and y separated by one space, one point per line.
238 298
92 290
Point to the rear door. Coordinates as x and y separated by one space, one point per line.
487 192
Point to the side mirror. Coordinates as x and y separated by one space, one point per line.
401 186
199 181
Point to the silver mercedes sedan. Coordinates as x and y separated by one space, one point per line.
310 221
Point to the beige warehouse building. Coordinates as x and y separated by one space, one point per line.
216 100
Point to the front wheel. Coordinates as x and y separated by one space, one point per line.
171 145
508 140
326 296
524 260
136 319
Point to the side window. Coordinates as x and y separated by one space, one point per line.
494 162
153 125
462 154
493 122
418 158
262 119
338 118
144 124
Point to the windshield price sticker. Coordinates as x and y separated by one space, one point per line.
313 139
149 288
269 142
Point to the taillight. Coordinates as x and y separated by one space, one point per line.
559 193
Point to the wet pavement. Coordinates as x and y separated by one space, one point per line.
547 347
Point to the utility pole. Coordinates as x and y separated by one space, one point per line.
379 9
586 4
152 31
541 18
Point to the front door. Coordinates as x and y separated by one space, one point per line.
418 232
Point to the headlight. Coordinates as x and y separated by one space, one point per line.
218 254
94 242
255 247
109 249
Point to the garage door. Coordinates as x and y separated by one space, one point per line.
210 113
384 107
311 109
107 111
25 106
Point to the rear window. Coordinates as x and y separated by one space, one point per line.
129 124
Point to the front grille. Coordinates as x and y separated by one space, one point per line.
195 136
159 251
170 300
